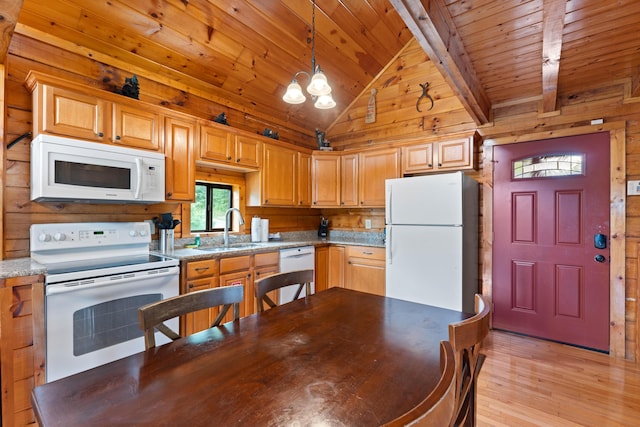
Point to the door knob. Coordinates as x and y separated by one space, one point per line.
599 258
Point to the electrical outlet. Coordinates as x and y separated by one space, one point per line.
633 188
367 223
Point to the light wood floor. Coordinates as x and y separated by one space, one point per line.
530 382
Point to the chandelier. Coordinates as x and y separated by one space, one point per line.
318 87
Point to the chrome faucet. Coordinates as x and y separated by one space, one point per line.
227 220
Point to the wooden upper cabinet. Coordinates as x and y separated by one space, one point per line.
134 126
375 167
276 182
216 144
304 179
454 154
349 180
227 147
179 137
417 158
247 151
325 177
64 112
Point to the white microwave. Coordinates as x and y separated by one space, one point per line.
64 169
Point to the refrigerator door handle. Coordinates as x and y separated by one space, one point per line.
388 245
387 212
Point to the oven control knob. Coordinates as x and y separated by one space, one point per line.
143 233
59 237
44 237
133 233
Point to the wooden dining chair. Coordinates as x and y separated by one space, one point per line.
302 278
466 339
152 316
438 407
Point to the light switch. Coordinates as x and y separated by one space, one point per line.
633 188
367 223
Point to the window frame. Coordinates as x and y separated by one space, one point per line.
209 204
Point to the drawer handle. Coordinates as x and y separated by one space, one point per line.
367 253
199 269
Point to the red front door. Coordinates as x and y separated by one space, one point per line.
551 239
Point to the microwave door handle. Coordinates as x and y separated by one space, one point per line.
138 193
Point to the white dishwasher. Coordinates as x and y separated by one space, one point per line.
302 258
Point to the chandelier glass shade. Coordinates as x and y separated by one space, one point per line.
318 87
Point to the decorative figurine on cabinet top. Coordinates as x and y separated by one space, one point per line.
131 88
323 143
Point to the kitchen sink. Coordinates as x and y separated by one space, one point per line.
233 247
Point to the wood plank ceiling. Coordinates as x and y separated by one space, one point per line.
242 54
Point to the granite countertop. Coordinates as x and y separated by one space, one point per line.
246 248
20 267
213 249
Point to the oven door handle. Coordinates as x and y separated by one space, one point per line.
84 284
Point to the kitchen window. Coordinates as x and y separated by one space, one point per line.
212 202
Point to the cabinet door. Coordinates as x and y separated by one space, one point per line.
180 161
322 268
455 154
349 180
279 173
417 158
200 320
366 270
239 278
135 127
304 179
261 273
216 144
73 114
325 176
376 167
247 151
336 266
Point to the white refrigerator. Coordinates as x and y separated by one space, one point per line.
432 240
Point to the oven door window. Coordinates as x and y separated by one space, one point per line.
109 323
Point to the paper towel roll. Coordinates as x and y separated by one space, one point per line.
256 234
264 230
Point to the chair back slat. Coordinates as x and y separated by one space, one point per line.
152 316
466 340
438 407
302 278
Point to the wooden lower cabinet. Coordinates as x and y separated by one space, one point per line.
197 276
361 268
365 269
22 356
228 271
265 264
335 273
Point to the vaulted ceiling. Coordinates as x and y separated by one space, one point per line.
242 54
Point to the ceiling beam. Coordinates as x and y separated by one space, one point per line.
433 27
8 18
552 29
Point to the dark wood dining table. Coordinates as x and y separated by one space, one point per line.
336 358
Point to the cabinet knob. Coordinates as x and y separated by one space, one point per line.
190 285
430 165
229 158
117 137
169 194
100 134
439 164
237 160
